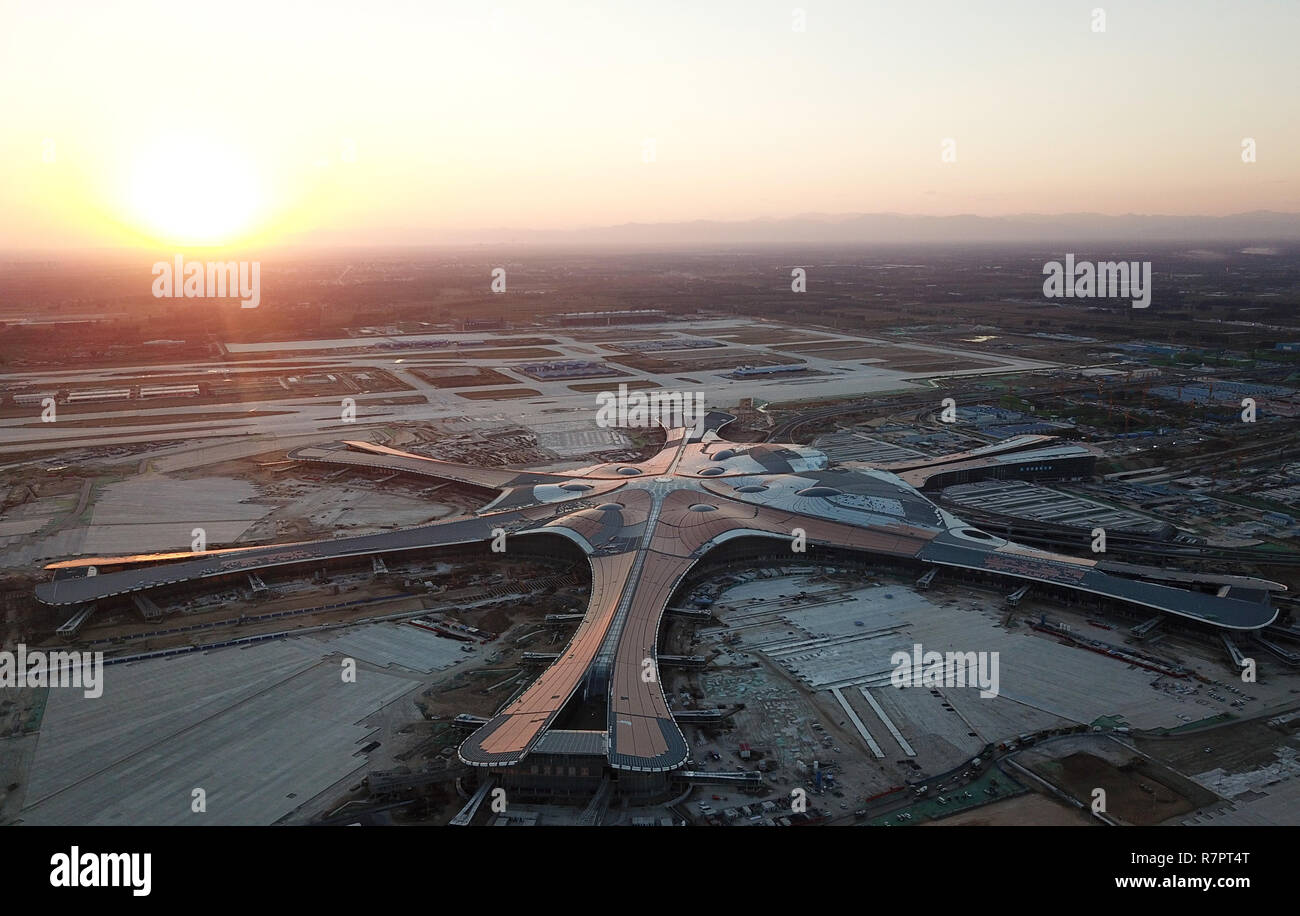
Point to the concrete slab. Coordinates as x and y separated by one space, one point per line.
261 729
397 644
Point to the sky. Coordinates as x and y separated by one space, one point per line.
407 121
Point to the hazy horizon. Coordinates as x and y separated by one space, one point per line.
821 231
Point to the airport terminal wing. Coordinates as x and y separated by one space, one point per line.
607 655
367 454
1009 559
509 736
881 504
72 585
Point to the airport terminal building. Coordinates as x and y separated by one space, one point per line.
593 717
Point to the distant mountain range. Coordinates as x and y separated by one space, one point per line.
883 228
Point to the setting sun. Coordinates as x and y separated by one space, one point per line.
193 191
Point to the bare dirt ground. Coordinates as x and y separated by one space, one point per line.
1235 748
1134 793
462 377
482 690
1022 811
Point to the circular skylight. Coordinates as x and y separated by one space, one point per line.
818 491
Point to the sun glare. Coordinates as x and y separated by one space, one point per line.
191 191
